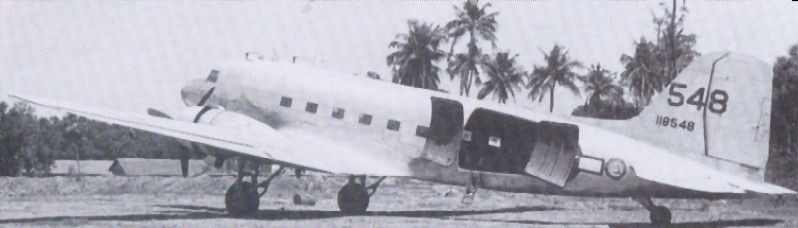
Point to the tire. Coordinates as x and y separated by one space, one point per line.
242 198
353 199
660 215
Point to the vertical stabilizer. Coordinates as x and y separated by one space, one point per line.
717 110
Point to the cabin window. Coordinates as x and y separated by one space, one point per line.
286 102
421 131
311 107
338 113
393 125
495 141
213 76
364 119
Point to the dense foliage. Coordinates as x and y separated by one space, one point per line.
29 144
414 61
783 160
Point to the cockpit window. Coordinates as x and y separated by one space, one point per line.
213 76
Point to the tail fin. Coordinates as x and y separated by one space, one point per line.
717 110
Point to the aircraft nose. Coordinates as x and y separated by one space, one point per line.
192 92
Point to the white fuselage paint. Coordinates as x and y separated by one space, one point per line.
255 89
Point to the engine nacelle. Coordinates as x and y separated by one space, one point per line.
216 116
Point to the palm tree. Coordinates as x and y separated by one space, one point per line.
599 82
413 63
642 74
655 65
557 71
675 48
505 76
477 23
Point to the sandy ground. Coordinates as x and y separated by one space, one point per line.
199 202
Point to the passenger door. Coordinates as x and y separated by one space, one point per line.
443 134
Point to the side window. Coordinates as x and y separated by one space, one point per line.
393 125
311 107
213 76
421 131
286 102
338 113
495 141
364 119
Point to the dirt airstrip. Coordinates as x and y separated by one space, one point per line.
199 202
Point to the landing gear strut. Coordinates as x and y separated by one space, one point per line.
659 215
243 198
353 198
471 189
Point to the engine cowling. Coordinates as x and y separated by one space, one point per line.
200 114
216 116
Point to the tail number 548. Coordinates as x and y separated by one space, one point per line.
716 102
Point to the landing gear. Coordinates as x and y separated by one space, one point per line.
659 215
471 189
353 198
243 198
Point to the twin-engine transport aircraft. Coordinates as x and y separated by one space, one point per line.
705 136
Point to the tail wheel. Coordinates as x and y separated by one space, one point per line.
242 198
660 215
353 198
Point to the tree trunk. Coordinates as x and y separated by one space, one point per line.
551 97
645 93
673 57
472 44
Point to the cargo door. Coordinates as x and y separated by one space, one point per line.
555 152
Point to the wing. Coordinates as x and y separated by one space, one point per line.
296 150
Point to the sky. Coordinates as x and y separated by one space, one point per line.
129 56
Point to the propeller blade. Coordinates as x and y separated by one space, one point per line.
201 112
184 156
219 161
206 96
158 113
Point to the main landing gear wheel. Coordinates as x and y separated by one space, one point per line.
660 215
242 198
353 198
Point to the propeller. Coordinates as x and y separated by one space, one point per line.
158 113
185 153
206 96
184 156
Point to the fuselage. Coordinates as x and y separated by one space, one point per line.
437 137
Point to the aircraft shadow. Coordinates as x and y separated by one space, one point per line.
203 212
720 223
